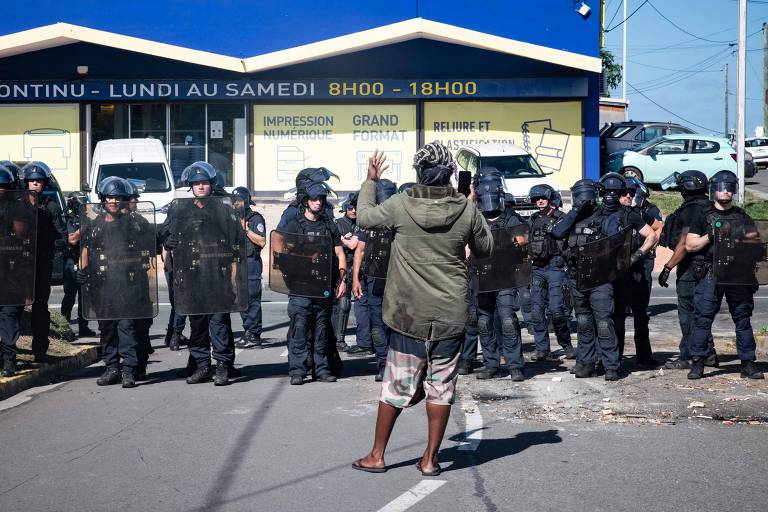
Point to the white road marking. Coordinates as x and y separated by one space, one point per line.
413 495
284 353
264 303
26 396
474 426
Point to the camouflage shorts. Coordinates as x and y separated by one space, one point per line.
417 369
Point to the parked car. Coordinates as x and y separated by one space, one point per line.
632 134
137 159
758 146
657 159
520 169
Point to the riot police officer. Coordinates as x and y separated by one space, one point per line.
586 223
111 295
369 281
549 286
71 288
728 222
489 193
631 289
638 197
211 221
51 234
693 186
310 321
255 232
347 226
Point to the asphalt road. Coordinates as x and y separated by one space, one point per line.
261 444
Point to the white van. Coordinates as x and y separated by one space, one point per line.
136 159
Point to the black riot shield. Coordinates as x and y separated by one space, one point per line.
509 265
740 252
117 252
301 264
377 250
602 261
210 273
18 237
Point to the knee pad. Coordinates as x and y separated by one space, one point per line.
584 323
603 329
536 315
560 318
484 325
525 300
509 326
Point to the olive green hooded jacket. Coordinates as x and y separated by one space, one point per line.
426 293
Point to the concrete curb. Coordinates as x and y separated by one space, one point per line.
758 193
50 373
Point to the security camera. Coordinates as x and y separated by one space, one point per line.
584 10
82 70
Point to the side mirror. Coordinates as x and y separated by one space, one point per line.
85 187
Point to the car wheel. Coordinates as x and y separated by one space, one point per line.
632 172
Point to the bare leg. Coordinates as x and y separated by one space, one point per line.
437 419
385 422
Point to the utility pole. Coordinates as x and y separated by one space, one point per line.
727 92
741 93
765 77
624 63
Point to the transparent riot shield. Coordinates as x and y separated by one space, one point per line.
740 252
118 254
377 250
210 273
602 261
18 240
301 264
509 265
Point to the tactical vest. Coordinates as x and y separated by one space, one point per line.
345 226
542 246
670 233
589 230
735 214
508 219
637 238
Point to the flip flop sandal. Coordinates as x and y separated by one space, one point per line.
434 472
360 467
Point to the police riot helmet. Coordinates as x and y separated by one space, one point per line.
434 165
197 172
612 187
316 190
405 187
638 190
583 192
542 191
243 193
114 186
723 181
310 175
692 182
15 169
137 186
509 199
384 190
349 202
7 179
36 171
489 189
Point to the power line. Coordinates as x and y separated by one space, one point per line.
627 18
672 69
672 113
615 13
681 29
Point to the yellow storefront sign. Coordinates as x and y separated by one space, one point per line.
550 131
49 133
289 138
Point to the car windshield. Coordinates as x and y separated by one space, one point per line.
648 144
756 143
152 173
619 131
513 166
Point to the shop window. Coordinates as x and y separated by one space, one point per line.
187 136
226 142
148 121
108 121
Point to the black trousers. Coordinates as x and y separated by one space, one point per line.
118 341
41 317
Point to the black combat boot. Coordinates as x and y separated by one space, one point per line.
83 331
516 374
221 377
678 364
9 367
202 374
175 341
188 370
570 353
342 347
611 375
326 377
168 336
141 372
488 373
464 367
297 380
712 360
749 371
697 368
583 371
129 381
540 356
110 376
380 374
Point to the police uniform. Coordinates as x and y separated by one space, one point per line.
71 286
549 283
310 323
373 298
252 316
346 226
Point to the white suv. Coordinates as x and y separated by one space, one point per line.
520 169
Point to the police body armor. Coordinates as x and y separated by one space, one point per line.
377 251
210 264
302 263
739 250
18 247
594 257
509 265
541 245
118 254
671 233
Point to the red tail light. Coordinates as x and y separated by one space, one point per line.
733 155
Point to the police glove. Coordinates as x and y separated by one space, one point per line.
171 242
82 276
664 276
636 256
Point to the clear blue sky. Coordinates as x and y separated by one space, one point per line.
697 94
